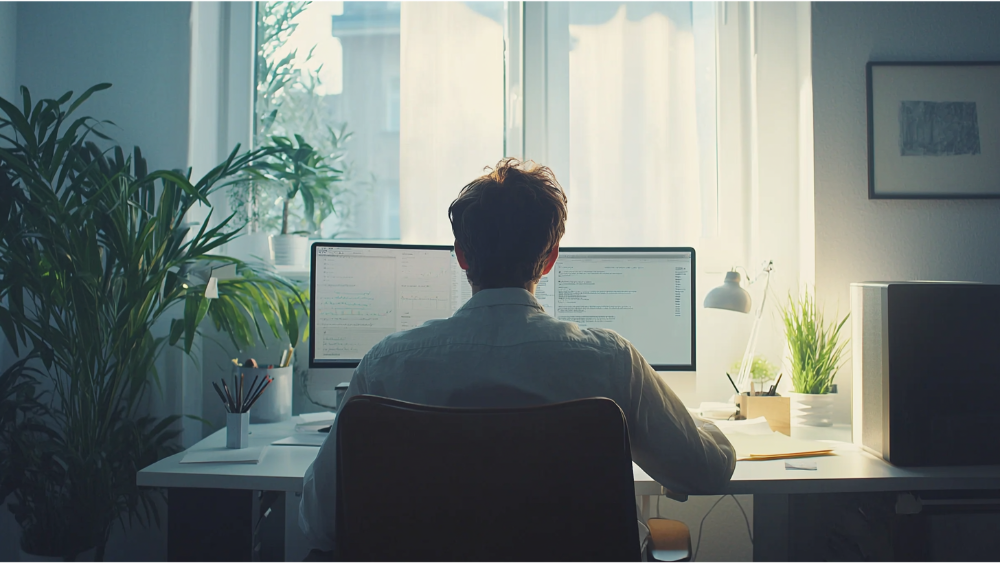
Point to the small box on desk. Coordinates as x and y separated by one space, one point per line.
774 408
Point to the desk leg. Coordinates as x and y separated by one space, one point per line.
210 524
221 525
770 528
645 507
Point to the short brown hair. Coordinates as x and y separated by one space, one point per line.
507 222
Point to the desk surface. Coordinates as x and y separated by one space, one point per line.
850 470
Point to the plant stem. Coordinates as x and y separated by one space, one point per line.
284 216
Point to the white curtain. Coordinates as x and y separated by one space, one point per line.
451 110
634 146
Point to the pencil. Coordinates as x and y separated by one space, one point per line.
242 404
731 383
221 396
777 381
259 393
232 405
251 388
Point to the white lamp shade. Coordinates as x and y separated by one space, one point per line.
729 296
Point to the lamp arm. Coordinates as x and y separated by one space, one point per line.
744 375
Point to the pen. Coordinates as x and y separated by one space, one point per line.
242 404
731 383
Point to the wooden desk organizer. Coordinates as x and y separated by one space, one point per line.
775 409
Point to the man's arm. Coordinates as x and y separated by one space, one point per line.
319 490
682 453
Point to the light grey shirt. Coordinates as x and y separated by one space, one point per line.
502 349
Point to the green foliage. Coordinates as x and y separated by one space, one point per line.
300 170
290 108
761 370
816 351
94 251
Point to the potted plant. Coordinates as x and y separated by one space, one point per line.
95 253
816 353
761 371
296 169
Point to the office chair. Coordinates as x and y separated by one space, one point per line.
542 483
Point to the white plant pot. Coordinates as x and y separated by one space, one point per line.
25 556
252 247
291 250
812 410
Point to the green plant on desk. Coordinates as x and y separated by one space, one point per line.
761 370
95 251
815 347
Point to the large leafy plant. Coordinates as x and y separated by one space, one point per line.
815 346
95 254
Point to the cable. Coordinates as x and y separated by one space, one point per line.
694 556
745 519
701 526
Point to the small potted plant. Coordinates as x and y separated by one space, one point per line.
296 169
761 371
816 354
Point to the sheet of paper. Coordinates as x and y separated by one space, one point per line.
316 416
312 422
314 439
774 446
225 455
803 464
717 410
754 426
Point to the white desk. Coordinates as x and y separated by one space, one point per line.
851 470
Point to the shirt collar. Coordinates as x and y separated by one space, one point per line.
502 296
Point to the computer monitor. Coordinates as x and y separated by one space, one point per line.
361 293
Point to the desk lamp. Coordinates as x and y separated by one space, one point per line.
730 296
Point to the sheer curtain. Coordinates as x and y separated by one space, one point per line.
635 162
451 108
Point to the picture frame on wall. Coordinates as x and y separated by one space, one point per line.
933 130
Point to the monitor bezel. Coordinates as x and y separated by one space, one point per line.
351 364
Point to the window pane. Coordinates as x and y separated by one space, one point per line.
642 124
419 88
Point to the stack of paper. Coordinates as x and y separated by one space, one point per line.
225 455
754 440
313 421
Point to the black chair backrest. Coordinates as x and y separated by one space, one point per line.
542 483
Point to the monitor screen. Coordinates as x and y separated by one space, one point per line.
361 293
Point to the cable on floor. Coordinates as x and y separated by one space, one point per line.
701 526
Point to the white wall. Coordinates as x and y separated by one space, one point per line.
858 239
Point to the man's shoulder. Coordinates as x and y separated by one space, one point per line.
429 333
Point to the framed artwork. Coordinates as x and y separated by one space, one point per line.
933 130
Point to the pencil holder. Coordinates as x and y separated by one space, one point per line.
237 429
275 403
774 409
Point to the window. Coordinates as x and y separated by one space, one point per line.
416 90
617 97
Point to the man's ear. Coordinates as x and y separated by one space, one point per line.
460 254
550 261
